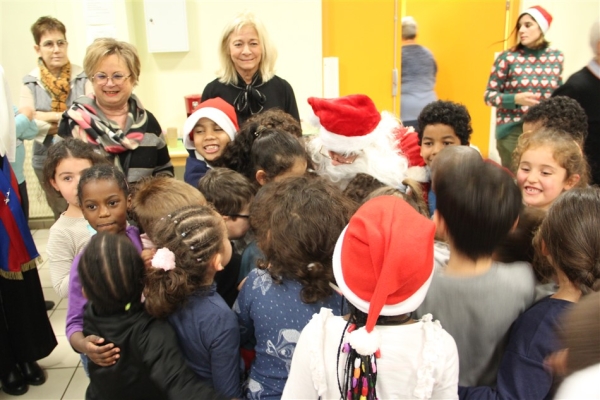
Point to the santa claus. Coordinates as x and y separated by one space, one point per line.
354 137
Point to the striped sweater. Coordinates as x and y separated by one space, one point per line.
522 70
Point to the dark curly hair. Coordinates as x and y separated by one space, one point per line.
259 147
562 113
448 113
297 222
195 235
361 186
277 119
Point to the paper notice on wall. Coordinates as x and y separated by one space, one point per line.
100 31
99 12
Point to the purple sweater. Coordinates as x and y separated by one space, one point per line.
76 299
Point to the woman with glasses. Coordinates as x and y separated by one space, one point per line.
50 89
247 79
113 118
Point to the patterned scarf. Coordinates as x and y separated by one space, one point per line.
59 88
249 101
87 122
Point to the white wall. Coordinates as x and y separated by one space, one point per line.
570 29
295 27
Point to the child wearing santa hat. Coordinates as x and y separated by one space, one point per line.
383 265
207 132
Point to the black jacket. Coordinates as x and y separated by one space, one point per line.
150 365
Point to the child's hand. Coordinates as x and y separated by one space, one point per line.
103 356
28 112
147 255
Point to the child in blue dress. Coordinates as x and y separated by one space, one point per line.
296 221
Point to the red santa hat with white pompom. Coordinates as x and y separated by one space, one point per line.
383 264
348 124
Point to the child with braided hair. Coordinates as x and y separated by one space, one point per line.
151 365
192 246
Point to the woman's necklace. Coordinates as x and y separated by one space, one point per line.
117 113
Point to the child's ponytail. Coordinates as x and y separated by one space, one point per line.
165 291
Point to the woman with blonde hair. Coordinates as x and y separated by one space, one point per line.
247 77
113 118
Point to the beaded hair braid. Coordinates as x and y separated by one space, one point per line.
194 235
360 372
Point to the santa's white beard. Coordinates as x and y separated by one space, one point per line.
380 160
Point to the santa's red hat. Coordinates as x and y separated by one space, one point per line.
383 263
218 111
541 16
348 124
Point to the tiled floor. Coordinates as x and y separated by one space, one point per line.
66 378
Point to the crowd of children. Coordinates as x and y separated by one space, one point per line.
260 279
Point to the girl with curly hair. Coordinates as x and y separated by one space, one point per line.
297 222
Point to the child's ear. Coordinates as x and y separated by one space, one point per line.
261 177
544 249
216 262
514 227
440 226
54 185
572 181
129 201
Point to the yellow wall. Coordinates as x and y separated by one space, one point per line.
361 34
462 34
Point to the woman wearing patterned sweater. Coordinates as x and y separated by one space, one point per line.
521 77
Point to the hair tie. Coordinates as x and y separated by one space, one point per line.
259 130
127 306
164 259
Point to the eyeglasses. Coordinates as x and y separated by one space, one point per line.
102 79
238 216
338 158
49 44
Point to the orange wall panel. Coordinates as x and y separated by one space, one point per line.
361 35
463 36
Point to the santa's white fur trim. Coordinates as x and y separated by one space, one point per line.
363 342
419 174
352 144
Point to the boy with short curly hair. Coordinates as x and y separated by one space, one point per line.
442 123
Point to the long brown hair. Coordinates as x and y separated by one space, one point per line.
571 236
